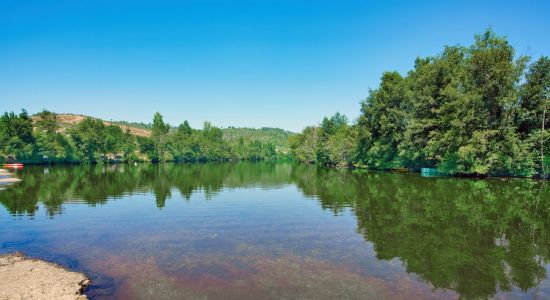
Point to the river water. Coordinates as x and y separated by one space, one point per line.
281 231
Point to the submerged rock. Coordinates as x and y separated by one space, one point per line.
7 177
9 180
27 278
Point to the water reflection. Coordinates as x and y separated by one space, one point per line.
479 238
95 185
471 236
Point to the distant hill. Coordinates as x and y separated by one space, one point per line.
277 136
69 120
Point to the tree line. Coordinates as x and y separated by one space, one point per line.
41 139
477 110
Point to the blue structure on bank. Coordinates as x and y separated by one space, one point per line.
431 172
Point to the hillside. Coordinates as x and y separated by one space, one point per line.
67 121
277 136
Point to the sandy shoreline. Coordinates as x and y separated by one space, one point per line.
22 277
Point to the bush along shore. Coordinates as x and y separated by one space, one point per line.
479 110
45 139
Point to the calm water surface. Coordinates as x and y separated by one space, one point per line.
282 231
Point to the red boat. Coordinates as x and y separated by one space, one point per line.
13 166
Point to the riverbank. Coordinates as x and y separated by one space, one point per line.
22 277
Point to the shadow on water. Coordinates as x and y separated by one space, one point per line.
478 238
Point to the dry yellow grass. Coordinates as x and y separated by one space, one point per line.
75 119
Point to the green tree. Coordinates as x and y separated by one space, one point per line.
303 146
329 127
159 135
485 108
341 146
431 87
54 148
183 143
146 146
89 139
47 121
382 122
464 111
211 144
185 128
533 119
113 140
16 138
128 146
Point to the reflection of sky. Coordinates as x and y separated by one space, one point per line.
236 223
232 236
260 215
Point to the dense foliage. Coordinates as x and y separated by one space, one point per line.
477 110
277 137
44 139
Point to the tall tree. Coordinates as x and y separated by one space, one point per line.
183 142
382 122
159 135
303 146
486 104
47 121
431 87
16 138
113 140
329 127
535 99
89 139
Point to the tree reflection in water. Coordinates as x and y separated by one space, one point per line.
473 236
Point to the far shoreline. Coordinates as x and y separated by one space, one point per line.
275 160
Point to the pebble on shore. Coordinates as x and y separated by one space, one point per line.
22 277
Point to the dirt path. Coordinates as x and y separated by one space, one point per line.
26 278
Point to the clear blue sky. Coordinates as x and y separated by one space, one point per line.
258 63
